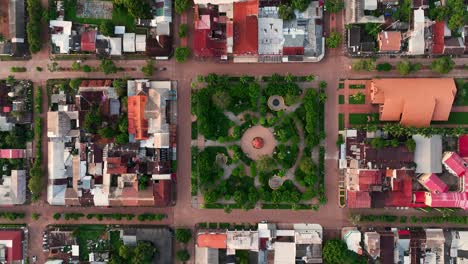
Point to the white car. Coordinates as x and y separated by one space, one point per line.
34 259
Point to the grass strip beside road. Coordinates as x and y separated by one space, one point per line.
455 118
341 121
341 99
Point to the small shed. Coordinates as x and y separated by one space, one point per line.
115 46
140 43
129 42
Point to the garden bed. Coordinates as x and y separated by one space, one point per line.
357 100
341 99
363 119
357 86
341 121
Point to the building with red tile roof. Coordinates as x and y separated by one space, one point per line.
88 41
389 41
454 164
115 166
12 153
211 32
401 193
433 183
211 240
13 242
358 199
447 200
438 38
463 146
246 28
137 124
162 192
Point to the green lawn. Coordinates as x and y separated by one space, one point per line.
462 92
120 16
361 100
455 118
341 99
341 121
361 119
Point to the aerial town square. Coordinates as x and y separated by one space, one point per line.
234 131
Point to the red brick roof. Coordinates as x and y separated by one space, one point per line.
368 178
402 192
12 153
463 146
450 200
116 166
438 37
434 184
15 252
358 199
88 41
246 28
455 163
162 192
212 240
137 124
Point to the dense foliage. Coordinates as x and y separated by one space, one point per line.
442 65
138 8
33 27
334 6
336 251
334 40
182 54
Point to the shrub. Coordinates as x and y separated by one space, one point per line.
39 69
442 65
181 6
183 235
183 255
182 30
182 54
364 65
57 216
148 69
35 216
334 40
108 66
384 67
87 68
17 69
334 6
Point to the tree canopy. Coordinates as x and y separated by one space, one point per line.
286 12
442 65
137 8
182 54
334 40
334 6
335 251
181 6
107 28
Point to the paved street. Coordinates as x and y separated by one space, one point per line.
334 67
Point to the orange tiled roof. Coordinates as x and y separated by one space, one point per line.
212 240
137 124
413 101
389 41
